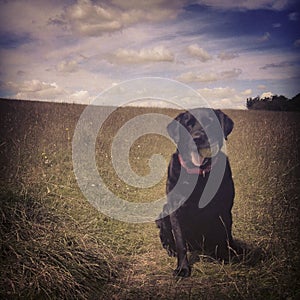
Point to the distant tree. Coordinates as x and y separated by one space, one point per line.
275 102
294 103
251 102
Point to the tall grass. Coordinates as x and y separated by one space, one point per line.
55 245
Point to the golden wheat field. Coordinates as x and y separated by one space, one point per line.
56 245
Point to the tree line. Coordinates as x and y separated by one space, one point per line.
275 102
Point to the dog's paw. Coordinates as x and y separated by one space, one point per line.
169 245
182 272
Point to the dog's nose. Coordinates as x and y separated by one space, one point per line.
199 137
198 134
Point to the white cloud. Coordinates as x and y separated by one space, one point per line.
210 77
153 103
234 73
227 55
44 19
247 92
217 93
156 54
265 37
266 95
223 97
261 87
249 5
198 52
90 19
67 66
36 89
144 10
80 97
40 90
196 77
96 18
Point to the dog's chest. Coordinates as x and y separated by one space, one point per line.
197 186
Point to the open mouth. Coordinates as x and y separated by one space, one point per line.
204 155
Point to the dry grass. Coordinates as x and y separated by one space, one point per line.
46 256
55 245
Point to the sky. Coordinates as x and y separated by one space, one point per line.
228 51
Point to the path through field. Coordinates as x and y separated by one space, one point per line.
149 275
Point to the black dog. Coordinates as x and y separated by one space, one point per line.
185 224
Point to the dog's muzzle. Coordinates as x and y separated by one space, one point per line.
209 152
199 157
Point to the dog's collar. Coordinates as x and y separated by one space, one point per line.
197 170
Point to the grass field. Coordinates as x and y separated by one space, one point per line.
55 245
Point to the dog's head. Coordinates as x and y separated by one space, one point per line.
199 134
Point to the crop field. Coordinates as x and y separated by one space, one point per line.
56 245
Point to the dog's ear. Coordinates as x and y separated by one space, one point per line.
225 122
174 128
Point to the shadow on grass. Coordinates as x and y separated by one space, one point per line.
44 255
244 253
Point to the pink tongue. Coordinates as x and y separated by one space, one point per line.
197 160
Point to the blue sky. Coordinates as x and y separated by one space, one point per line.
70 51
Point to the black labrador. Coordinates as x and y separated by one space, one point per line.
185 224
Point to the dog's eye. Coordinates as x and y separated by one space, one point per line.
191 122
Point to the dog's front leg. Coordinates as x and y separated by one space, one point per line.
166 235
183 269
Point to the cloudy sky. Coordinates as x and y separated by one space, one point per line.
70 51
